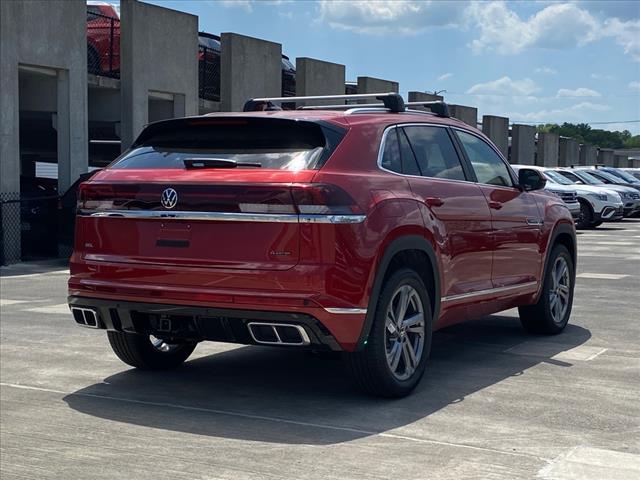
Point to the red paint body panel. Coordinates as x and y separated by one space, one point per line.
232 265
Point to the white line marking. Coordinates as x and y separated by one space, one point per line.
614 244
588 463
6 302
601 276
61 309
556 351
274 419
15 275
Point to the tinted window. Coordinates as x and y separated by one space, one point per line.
409 163
247 142
435 153
391 154
487 165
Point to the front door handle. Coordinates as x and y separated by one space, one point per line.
434 201
495 205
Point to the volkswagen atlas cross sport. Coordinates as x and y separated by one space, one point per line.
359 229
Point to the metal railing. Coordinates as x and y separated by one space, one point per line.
208 74
103 45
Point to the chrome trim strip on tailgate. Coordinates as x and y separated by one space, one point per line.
227 216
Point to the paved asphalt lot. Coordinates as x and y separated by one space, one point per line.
495 402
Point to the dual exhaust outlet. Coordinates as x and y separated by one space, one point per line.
278 334
87 317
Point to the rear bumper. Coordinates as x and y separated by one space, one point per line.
198 323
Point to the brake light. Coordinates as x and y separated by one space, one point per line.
323 199
95 197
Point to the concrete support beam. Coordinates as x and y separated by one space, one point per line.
605 156
568 152
497 129
468 115
376 85
523 145
588 155
620 161
424 97
317 77
24 28
152 61
249 68
547 149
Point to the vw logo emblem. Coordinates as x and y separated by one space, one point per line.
169 198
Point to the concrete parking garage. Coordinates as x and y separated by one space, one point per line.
495 402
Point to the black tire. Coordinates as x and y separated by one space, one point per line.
540 318
370 368
586 216
138 351
595 224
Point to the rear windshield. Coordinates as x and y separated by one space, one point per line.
233 143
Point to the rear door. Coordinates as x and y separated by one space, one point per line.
453 207
214 193
515 217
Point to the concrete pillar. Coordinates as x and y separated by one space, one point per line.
547 149
588 155
249 68
468 115
153 61
376 85
620 161
568 152
424 97
497 129
51 36
605 156
317 77
523 145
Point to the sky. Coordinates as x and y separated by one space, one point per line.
534 61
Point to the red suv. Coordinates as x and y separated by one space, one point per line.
354 229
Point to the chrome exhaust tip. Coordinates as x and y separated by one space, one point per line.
86 317
278 334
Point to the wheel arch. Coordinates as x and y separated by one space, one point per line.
415 252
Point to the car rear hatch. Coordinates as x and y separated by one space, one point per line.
225 192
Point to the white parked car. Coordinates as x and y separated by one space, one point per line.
597 205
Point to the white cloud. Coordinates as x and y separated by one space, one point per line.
626 34
504 86
546 70
578 92
383 17
601 76
445 76
577 112
243 4
634 85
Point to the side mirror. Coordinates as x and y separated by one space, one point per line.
530 179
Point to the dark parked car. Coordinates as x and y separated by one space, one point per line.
38 219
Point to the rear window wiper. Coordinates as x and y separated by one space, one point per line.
217 163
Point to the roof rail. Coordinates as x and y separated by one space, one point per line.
392 100
440 108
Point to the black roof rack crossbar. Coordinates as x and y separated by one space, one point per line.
440 108
393 101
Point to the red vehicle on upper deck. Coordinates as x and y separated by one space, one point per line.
359 229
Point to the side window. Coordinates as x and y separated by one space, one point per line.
487 165
435 152
409 163
391 154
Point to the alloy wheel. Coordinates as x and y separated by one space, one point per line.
404 332
560 290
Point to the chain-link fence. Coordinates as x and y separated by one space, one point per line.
103 44
33 227
208 73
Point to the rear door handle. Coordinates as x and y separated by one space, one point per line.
434 201
495 205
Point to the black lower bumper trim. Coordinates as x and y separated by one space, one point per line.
179 322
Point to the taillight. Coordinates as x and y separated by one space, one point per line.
323 199
95 197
